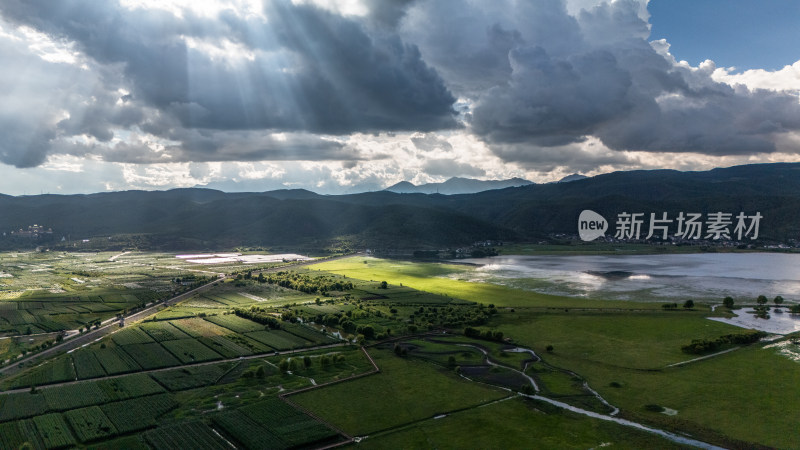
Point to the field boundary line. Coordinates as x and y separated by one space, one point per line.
285 398
678 364
375 369
438 416
348 438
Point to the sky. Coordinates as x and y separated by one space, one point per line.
340 96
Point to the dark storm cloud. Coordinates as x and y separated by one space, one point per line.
387 12
558 79
310 71
214 146
532 80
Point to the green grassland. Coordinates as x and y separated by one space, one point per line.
432 278
515 423
746 395
637 340
406 390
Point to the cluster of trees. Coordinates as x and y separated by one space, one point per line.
297 364
700 346
762 300
259 316
95 324
189 282
453 316
688 304
483 252
487 335
304 283
345 321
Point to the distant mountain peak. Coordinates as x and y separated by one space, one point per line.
456 185
403 187
573 177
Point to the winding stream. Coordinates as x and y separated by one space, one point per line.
666 434
610 417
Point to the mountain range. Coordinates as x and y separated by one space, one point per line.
210 219
456 185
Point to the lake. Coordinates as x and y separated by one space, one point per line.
675 277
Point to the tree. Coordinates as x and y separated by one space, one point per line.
28 331
384 285
549 349
728 302
762 299
778 300
306 361
368 331
295 365
260 373
451 360
284 365
688 304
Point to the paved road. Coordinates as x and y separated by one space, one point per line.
111 325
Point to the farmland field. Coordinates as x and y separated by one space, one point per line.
246 432
199 327
190 350
151 356
225 347
277 339
235 323
54 431
115 361
90 423
292 426
138 413
55 371
204 370
163 331
15 434
21 405
195 435
87 365
191 377
130 336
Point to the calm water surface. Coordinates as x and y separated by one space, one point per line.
705 277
